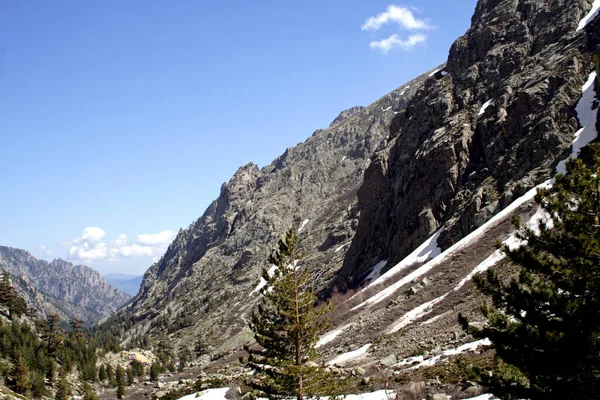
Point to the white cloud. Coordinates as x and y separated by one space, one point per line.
163 238
402 16
46 251
394 40
90 247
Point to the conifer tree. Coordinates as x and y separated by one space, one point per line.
287 326
545 325
154 371
63 389
120 382
110 375
102 373
130 376
88 392
20 376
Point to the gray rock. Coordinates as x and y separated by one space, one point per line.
389 360
473 391
440 396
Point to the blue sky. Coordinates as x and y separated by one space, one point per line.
120 120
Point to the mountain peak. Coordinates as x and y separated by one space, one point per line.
344 115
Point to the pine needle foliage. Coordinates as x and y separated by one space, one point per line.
287 326
545 324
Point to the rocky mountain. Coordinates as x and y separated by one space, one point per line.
61 287
209 272
410 193
129 284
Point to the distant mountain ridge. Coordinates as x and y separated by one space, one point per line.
61 287
129 284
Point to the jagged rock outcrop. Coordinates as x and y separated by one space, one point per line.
491 125
344 115
209 271
61 287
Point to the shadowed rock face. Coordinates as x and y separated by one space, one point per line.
61 287
453 163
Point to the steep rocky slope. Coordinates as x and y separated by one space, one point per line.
208 274
480 133
61 287
443 153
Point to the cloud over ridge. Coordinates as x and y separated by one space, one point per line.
406 20
90 247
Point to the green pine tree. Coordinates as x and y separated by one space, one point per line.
110 375
63 389
184 356
20 376
545 325
287 326
130 376
120 373
88 392
154 371
102 373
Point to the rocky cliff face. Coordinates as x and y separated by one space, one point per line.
211 268
61 287
481 132
443 153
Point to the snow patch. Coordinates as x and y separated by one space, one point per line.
587 117
590 15
341 247
512 241
351 355
387 109
434 72
376 271
330 336
473 236
484 107
305 221
262 282
444 73
208 394
421 362
428 250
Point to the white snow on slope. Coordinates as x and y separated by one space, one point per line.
421 362
376 271
590 15
340 247
330 336
587 118
219 394
208 394
473 236
387 109
434 72
305 221
511 241
486 396
426 251
262 282
351 355
484 107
